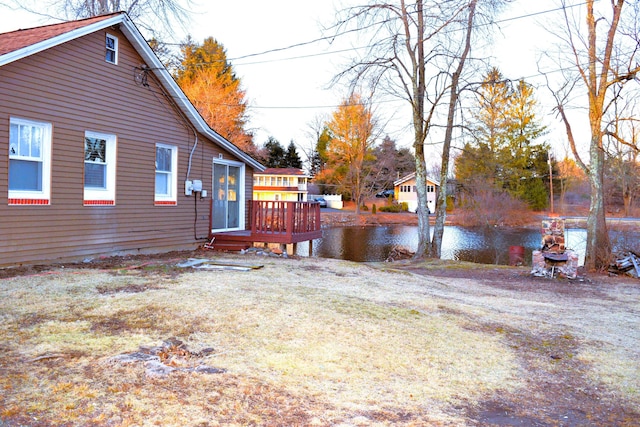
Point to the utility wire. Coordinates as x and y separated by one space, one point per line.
510 19
281 49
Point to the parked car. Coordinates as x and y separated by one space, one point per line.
321 200
384 194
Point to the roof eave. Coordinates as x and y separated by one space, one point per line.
54 41
142 47
410 176
135 37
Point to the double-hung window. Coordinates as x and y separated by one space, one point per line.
29 162
111 45
166 175
99 169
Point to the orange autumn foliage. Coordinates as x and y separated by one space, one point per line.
208 80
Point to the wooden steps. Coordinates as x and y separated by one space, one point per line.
232 242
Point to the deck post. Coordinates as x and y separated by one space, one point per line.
290 211
292 248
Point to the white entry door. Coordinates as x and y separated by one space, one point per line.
228 195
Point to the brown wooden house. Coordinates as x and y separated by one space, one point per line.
99 148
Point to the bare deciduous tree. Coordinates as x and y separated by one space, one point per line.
418 51
602 48
150 15
622 145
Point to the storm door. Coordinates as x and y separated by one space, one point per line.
228 196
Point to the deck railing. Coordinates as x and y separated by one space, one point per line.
285 222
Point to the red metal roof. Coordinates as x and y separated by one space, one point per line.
19 39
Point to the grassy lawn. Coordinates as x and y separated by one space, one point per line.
303 342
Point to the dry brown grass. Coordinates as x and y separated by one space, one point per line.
302 342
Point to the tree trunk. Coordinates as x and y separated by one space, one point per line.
598 248
419 88
626 199
441 205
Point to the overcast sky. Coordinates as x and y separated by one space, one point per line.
287 89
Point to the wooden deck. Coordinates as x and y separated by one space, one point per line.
274 222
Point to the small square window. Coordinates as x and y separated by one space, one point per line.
111 45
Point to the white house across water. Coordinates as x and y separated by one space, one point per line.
405 191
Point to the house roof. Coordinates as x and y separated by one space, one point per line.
411 176
16 45
282 171
31 37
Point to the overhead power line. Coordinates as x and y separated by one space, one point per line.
281 49
333 37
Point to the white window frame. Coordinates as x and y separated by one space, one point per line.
172 197
108 49
42 196
102 196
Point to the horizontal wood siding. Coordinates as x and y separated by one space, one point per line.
248 191
73 88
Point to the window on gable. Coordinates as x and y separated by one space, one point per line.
112 49
99 169
29 162
166 175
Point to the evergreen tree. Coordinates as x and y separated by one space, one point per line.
504 154
405 162
319 157
389 163
291 157
525 163
275 154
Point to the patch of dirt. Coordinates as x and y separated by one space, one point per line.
517 278
348 218
131 288
558 391
148 264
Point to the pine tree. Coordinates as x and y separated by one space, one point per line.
504 154
291 157
275 154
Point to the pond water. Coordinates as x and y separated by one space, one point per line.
482 245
